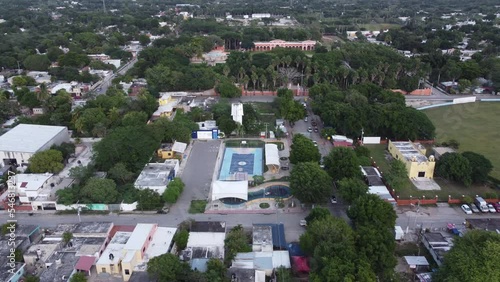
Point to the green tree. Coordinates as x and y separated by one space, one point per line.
78 277
236 241
216 271
318 213
67 236
46 161
463 84
98 190
173 191
37 62
81 173
134 118
31 278
397 177
309 183
472 258
67 196
181 238
120 173
226 125
227 89
303 150
88 119
149 200
342 163
481 166
131 145
351 189
7 227
144 39
53 53
374 220
167 267
456 167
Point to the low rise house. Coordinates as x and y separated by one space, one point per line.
156 176
264 257
167 104
130 251
35 189
437 245
206 241
168 150
376 185
413 155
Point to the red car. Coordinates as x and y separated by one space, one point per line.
497 206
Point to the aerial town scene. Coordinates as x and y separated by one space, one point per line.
249 141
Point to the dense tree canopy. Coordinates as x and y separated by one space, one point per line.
351 189
480 165
310 184
303 150
98 190
454 166
341 163
46 161
472 258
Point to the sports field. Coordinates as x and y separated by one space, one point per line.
475 125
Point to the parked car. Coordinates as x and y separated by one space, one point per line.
313 123
284 158
333 199
496 206
315 144
466 209
285 168
303 222
474 208
491 208
309 129
316 129
305 119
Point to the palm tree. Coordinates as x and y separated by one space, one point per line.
246 79
263 81
274 77
43 94
241 74
254 78
287 61
226 70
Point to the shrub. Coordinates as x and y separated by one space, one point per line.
264 205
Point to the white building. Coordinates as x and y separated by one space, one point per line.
156 176
19 144
261 16
237 112
31 186
206 241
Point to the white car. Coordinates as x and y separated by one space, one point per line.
309 129
305 119
315 144
466 209
491 208
303 222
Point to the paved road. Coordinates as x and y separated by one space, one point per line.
103 85
50 220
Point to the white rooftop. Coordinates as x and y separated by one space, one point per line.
139 236
115 248
31 181
203 239
28 138
161 241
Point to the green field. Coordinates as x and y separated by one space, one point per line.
475 125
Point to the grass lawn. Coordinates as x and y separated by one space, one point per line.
474 125
377 27
197 206
378 153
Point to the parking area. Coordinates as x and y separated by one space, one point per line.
199 169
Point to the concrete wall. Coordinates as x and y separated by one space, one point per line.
371 140
464 100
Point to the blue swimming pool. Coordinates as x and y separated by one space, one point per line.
248 160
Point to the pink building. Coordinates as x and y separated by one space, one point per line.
302 45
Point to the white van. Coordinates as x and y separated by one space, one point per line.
481 204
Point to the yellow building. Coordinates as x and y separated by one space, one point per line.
165 151
167 104
130 251
413 155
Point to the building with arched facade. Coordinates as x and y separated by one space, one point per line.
270 45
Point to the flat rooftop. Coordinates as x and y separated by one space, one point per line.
154 174
28 138
63 264
139 236
93 228
208 226
262 235
115 248
32 181
409 151
160 244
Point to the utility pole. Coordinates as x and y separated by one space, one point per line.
104 6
